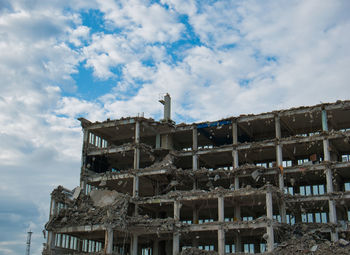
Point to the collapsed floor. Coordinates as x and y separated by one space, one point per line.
274 183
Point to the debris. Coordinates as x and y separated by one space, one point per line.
314 248
343 242
256 174
76 192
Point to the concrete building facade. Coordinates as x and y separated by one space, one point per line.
233 185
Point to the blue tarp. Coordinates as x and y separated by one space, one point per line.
214 124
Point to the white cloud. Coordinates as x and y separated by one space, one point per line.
142 20
187 7
79 34
36 153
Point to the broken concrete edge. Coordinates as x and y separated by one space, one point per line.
241 118
110 207
255 145
242 171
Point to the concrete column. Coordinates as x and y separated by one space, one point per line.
282 211
326 153
235 158
108 241
85 145
83 159
238 243
155 248
136 212
167 142
235 152
234 132
194 148
135 189
134 246
177 207
52 207
195 220
279 156
235 142
176 243
236 180
269 228
329 177
83 185
50 240
221 241
221 232
279 161
221 209
158 141
136 157
333 219
327 157
329 181
176 235
137 149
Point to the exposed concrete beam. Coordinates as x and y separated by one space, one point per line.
283 141
229 226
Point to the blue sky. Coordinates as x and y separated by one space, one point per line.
62 59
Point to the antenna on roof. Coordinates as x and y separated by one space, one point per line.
166 101
29 238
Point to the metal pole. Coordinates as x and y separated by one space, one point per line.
29 237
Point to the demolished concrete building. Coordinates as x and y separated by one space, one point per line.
228 186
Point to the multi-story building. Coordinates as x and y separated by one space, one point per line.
232 185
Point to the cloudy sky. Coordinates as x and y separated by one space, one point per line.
62 59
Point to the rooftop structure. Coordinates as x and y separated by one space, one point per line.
233 185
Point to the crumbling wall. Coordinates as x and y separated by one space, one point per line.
100 207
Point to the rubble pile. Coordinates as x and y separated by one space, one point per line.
60 195
111 208
305 240
167 162
152 225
